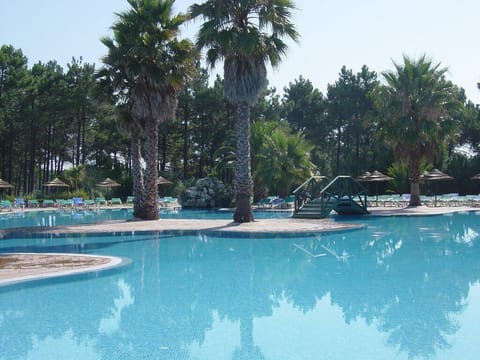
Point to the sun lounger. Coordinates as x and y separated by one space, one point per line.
89 203
6 205
32 203
63 203
267 202
100 201
168 201
278 203
48 203
115 201
19 203
77 202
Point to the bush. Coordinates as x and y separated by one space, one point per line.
208 192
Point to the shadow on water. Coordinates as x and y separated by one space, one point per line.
407 277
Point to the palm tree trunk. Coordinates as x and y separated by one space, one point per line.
149 207
337 156
185 140
414 194
137 173
243 177
414 177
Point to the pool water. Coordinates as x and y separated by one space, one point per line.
399 288
50 218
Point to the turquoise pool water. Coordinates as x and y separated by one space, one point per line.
50 218
400 288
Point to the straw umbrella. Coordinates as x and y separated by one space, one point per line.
162 181
376 177
435 175
476 177
55 183
364 176
108 184
5 185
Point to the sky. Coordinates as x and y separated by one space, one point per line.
333 33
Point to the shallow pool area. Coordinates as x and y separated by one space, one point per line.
399 288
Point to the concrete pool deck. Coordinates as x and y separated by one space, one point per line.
21 267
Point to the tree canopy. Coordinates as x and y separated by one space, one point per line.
54 118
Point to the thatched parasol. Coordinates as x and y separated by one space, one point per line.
476 177
5 185
162 181
435 175
108 183
364 176
55 183
378 177
374 177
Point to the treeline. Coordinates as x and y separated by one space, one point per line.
52 119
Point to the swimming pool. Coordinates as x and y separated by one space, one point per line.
400 288
51 218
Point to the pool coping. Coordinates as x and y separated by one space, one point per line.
23 267
261 226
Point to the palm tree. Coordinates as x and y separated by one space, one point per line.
75 176
245 34
130 128
282 157
148 67
417 106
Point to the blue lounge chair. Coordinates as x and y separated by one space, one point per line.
77 202
19 203
278 203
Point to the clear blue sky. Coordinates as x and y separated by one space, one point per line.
333 33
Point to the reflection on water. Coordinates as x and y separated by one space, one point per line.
402 288
111 323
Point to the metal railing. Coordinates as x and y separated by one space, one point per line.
344 187
310 189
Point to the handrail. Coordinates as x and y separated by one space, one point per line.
334 183
310 189
343 194
316 178
345 187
